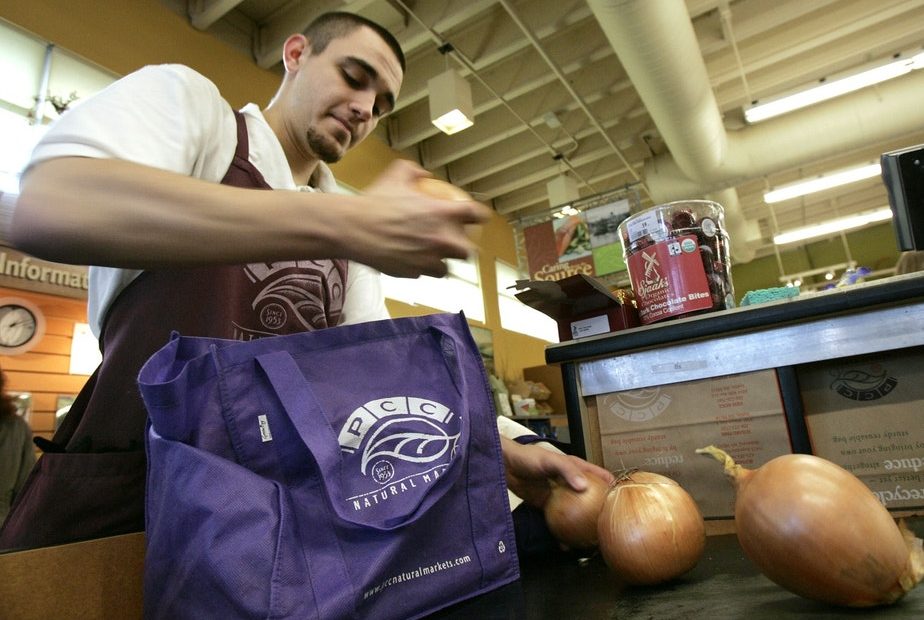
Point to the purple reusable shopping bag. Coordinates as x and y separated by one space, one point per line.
352 472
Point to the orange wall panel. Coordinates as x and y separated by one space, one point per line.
43 371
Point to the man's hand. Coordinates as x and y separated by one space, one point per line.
415 231
530 467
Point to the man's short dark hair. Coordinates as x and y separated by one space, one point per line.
334 25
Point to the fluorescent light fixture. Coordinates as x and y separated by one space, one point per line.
833 226
834 88
451 107
823 182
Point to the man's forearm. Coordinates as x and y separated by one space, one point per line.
121 214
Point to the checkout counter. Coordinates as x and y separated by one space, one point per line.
879 316
874 317
871 317
724 585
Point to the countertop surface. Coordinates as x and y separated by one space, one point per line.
723 585
894 290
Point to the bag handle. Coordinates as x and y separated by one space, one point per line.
312 426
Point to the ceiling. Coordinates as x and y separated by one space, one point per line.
634 92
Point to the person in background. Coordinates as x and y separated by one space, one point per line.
153 182
17 454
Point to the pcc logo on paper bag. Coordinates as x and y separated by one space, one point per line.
400 444
637 405
861 385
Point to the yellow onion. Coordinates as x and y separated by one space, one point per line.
572 515
817 530
438 188
650 529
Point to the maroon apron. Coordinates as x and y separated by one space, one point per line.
90 480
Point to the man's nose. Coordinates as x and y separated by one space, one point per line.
361 108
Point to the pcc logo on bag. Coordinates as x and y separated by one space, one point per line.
398 444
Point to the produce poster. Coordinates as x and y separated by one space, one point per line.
583 243
865 414
544 259
603 226
658 429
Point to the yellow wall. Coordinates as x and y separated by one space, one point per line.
124 35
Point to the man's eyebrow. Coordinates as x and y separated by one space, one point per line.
389 96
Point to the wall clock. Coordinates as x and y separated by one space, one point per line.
22 325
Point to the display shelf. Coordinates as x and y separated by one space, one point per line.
883 315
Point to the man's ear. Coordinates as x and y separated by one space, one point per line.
295 47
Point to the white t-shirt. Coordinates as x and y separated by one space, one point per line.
170 117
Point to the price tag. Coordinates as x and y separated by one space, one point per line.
642 225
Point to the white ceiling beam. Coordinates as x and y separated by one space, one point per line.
541 170
698 7
522 80
753 19
779 77
441 17
204 13
533 197
498 124
820 51
528 173
505 46
512 152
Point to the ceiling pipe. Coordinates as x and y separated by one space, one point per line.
885 112
657 47
742 233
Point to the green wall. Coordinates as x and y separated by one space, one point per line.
874 247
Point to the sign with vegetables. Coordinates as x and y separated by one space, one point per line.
603 226
548 259
585 242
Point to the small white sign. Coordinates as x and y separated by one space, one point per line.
265 433
645 225
590 327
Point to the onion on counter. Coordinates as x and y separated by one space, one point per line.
818 531
650 529
437 188
441 189
572 515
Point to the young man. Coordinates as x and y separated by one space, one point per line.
152 182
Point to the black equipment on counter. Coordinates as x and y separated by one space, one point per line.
903 175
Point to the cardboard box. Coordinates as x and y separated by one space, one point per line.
867 415
658 429
89 580
581 305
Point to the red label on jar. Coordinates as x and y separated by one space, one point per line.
668 279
